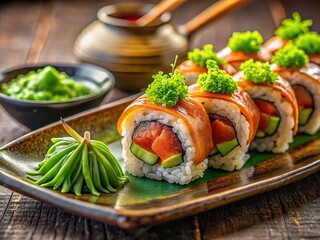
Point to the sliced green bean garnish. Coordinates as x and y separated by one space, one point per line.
79 165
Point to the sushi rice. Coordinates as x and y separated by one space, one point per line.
184 173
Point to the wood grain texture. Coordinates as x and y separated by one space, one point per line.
16 37
288 212
16 32
280 214
67 19
274 215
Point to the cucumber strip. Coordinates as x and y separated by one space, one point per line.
304 116
225 147
143 155
273 125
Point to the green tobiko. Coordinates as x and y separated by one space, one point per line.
216 80
290 56
292 27
247 42
258 72
167 89
308 42
200 57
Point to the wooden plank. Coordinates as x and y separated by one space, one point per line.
67 19
25 218
16 36
41 33
301 205
18 21
285 213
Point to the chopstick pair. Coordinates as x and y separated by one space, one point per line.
214 11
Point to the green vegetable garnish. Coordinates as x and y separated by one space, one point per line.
78 164
200 57
292 27
309 42
216 80
290 56
247 42
46 84
258 72
167 89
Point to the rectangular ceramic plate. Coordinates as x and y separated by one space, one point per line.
143 201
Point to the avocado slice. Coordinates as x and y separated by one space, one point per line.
172 161
225 147
260 134
214 151
273 125
304 115
143 155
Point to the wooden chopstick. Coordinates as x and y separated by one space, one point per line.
277 11
158 10
214 11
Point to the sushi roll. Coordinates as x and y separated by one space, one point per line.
289 29
243 46
166 135
277 103
310 43
233 115
196 64
292 64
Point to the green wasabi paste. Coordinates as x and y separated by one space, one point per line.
45 84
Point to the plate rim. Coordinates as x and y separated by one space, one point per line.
129 219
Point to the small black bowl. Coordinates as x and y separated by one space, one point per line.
35 114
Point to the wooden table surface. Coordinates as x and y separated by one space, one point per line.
44 31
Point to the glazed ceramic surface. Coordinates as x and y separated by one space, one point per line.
144 202
132 53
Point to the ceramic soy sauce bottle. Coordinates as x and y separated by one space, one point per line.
134 53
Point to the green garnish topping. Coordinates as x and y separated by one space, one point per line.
167 89
258 72
216 80
247 42
309 42
292 27
290 56
200 57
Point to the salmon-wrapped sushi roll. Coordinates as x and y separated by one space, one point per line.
233 116
289 29
166 135
277 103
196 64
310 43
292 64
243 46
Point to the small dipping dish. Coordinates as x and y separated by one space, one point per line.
35 114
